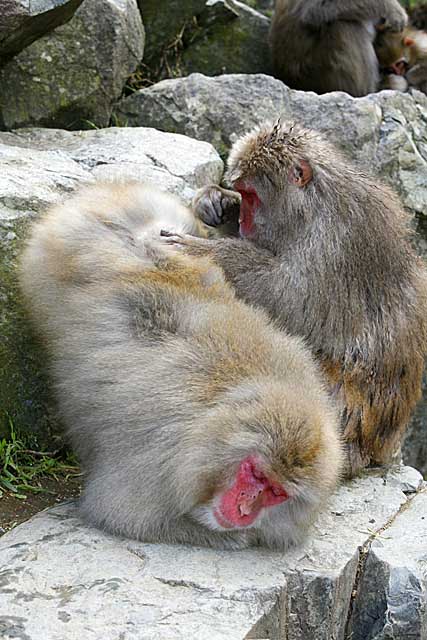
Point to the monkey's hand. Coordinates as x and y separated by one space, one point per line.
394 20
215 205
189 244
394 82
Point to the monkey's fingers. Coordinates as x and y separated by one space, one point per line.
214 204
169 234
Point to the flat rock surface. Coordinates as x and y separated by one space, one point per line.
63 580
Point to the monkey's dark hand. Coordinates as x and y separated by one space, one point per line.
215 205
190 244
395 20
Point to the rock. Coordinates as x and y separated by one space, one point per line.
164 21
63 580
23 21
385 132
72 77
230 37
414 450
39 168
209 36
265 6
391 593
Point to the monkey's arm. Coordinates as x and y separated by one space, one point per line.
187 531
314 13
254 272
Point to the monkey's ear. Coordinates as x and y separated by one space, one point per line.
301 173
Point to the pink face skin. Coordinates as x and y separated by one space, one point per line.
251 492
248 207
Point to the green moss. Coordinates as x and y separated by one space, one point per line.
24 389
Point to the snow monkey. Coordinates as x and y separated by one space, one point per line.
403 59
195 419
326 251
327 45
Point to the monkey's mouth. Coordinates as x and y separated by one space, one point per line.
399 68
243 520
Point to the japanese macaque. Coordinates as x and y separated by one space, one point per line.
326 251
324 46
195 419
403 59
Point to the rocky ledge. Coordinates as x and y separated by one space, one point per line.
354 578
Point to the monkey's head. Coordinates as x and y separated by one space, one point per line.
277 168
397 52
270 451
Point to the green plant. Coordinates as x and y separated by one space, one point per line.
22 468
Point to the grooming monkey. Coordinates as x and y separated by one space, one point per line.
403 59
326 251
196 420
324 46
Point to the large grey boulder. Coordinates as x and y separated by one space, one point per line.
39 168
385 132
62 580
208 36
23 21
71 77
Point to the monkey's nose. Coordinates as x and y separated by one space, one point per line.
250 502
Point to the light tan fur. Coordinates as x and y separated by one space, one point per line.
166 382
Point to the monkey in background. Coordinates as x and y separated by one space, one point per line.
403 59
325 249
196 421
328 46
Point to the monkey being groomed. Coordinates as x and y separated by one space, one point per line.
326 251
327 45
196 420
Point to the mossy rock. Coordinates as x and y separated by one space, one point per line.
224 36
24 395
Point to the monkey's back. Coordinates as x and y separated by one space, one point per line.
334 57
123 315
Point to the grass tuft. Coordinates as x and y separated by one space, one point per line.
22 468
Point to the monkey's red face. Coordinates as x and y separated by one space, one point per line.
251 492
248 207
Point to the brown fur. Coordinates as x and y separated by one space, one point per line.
166 382
328 46
332 261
